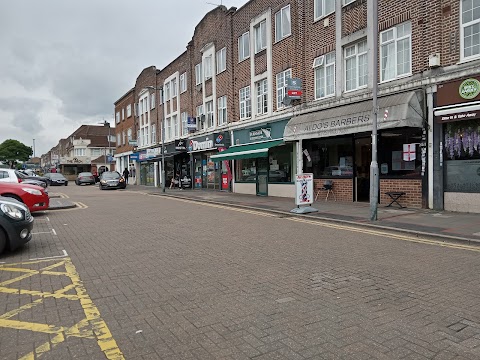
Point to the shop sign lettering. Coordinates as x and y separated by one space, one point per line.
469 89
200 145
260 134
338 123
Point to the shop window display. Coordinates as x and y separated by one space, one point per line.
391 148
246 170
329 157
462 154
280 160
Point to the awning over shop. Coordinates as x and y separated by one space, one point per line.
399 110
248 151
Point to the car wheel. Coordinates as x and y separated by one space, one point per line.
3 241
66 184
76 182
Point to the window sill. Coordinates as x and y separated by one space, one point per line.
396 78
283 38
467 60
322 17
261 52
242 60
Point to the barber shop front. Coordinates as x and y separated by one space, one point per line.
336 146
177 162
457 117
208 174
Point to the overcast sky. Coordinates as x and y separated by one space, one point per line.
64 63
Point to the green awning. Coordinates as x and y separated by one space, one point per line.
249 151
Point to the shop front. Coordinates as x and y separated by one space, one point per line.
147 167
208 174
177 163
263 163
336 146
457 116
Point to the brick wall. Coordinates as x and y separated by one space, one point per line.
127 123
354 17
343 189
412 187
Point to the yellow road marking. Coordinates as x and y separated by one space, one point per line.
386 234
91 327
350 228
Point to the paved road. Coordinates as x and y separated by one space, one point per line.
135 276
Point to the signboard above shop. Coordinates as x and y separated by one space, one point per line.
211 141
458 100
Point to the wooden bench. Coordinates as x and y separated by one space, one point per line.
395 196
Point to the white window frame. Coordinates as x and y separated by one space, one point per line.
184 129
320 9
245 103
221 60
79 152
280 20
123 137
123 113
117 117
209 115
129 134
323 64
129 110
346 2
183 82
463 26
200 113
168 129
174 88
154 134
281 81
198 74
261 91
207 67
244 46
260 36
119 139
222 110
354 53
394 40
139 139
167 91
152 101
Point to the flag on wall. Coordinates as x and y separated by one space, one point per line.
409 152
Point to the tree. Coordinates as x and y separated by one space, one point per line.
12 151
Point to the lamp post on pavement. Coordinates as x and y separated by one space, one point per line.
163 138
106 123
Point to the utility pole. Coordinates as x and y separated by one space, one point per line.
374 176
33 147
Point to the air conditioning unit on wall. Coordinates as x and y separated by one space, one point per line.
434 60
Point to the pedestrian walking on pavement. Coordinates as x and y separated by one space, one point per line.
125 175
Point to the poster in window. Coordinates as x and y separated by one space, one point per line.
399 165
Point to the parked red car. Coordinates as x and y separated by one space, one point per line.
35 197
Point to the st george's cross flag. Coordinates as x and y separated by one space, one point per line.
409 152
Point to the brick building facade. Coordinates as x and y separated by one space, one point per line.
245 56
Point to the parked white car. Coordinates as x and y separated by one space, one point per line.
15 176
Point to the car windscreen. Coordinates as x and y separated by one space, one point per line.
110 176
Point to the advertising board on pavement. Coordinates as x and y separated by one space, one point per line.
303 189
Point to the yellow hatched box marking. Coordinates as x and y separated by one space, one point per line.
91 327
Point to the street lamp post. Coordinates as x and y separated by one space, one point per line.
163 140
106 123
374 176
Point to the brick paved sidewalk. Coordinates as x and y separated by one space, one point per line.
448 225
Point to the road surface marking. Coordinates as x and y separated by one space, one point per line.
51 257
55 233
92 326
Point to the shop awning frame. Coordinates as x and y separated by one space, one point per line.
248 151
398 110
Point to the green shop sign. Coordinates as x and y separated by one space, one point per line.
469 89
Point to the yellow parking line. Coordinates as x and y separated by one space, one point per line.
387 234
91 327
